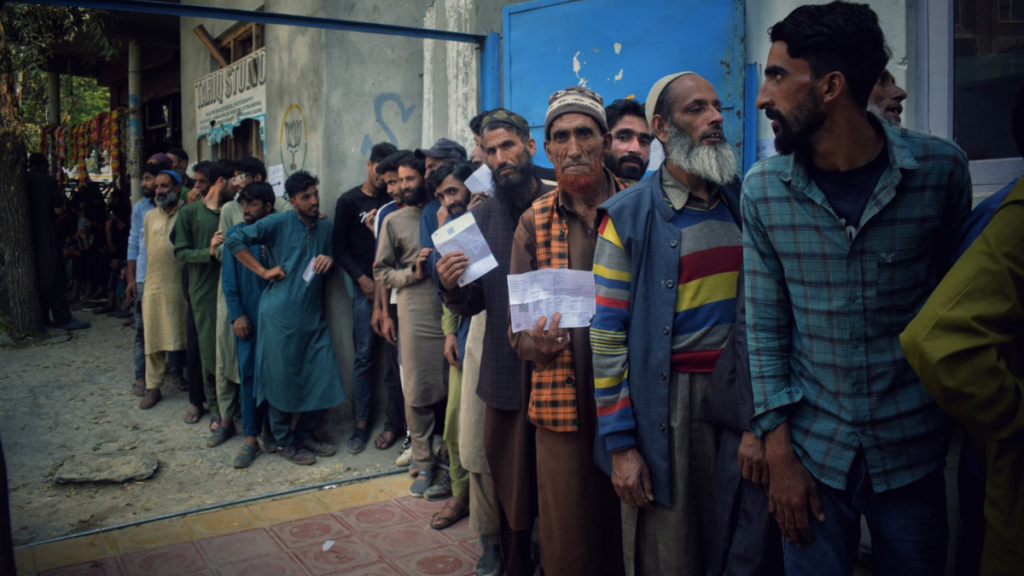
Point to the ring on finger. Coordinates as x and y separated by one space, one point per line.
559 339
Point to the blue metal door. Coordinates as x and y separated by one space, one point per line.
620 48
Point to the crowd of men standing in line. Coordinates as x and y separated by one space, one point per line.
772 356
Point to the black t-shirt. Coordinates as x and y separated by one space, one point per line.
848 192
353 243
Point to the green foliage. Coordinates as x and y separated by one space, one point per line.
34 31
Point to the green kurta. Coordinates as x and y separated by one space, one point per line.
967 345
295 364
192 234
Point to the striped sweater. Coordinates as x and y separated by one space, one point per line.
710 257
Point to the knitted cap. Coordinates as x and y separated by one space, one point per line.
575 99
655 93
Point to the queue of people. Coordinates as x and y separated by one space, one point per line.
772 357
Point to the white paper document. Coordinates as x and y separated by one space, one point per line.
544 292
463 234
481 180
308 274
275 176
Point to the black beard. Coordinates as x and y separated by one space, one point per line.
419 195
795 134
624 171
514 192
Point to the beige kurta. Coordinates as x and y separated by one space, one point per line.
227 352
419 308
471 414
163 303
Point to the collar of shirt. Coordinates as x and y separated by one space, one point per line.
677 192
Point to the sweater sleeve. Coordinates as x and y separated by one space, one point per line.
608 339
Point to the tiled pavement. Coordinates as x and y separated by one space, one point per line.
377 529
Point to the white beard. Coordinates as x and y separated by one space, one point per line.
715 163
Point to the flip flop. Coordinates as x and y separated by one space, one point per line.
139 389
456 510
382 443
193 417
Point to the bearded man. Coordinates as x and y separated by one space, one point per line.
666 267
580 524
630 150
886 99
504 382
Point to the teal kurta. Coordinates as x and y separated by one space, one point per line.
295 363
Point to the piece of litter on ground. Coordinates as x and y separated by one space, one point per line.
328 544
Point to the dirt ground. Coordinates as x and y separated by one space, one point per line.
72 396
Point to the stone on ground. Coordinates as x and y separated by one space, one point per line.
106 468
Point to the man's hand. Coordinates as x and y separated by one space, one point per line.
387 327
451 350
193 195
752 461
243 327
548 343
476 198
130 289
371 220
375 321
442 216
421 262
217 240
632 479
450 267
791 489
275 273
369 288
322 264
115 264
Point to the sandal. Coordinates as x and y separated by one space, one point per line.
180 383
194 416
139 388
454 510
383 442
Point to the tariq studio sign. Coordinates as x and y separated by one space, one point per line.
230 95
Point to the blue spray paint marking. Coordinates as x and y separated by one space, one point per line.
378 109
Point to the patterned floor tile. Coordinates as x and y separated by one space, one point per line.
149 536
473 547
381 569
172 560
374 516
220 522
287 509
420 507
346 554
280 564
404 539
72 552
350 496
237 547
451 560
104 567
310 530
457 532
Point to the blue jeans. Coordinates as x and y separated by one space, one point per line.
907 524
139 346
363 339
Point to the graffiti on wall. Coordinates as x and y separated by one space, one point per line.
378 109
294 139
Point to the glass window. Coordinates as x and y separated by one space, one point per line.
988 70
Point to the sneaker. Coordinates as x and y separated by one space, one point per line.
74 324
441 489
297 454
405 458
443 460
150 399
357 443
318 447
490 561
246 456
421 484
269 443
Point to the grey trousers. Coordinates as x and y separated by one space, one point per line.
676 540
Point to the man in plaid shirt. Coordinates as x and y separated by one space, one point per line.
845 235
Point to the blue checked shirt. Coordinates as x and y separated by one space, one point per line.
824 312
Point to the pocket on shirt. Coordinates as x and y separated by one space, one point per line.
902 279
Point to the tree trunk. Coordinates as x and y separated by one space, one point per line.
19 294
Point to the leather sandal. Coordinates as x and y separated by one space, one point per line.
454 510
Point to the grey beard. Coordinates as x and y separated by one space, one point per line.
170 200
715 163
877 111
